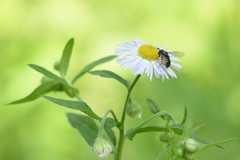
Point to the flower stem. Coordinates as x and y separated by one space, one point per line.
118 153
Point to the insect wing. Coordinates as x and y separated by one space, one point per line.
176 53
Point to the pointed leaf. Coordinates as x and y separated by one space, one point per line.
200 139
110 123
85 125
83 107
92 65
195 129
76 105
154 108
48 73
185 116
42 89
54 77
109 74
204 146
187 128
63 66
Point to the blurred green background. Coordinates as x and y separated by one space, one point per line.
35 31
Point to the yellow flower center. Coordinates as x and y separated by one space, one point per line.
148 52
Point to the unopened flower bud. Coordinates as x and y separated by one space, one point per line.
134 110
179 152
191 145
165 137
45 79
56 65
189 156
102 147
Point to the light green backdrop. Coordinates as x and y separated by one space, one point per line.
35 31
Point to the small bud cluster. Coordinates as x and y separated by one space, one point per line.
102 147
188 149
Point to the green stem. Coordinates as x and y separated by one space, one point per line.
162 113
101 128
118 153
79 97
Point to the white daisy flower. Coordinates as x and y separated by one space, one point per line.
142 57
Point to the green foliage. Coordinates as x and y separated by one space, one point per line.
110 74
88 128
187 128
48 74
42 89
81 106
76 105
63 66
205 146
182 139
92 65
185 116
85 125
154 108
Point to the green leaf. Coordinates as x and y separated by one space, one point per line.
154 108
110 123
92 65
204 146
200 139
195 136
83 107
109 74
85 125
195 129
76 105
48 73
185 116
187 128
54 77
178 129
165 153
63 66
42 89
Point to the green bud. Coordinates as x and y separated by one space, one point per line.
56 65
134 110
102 147
179 152
165 137
189 156
191 145
45 79
69 92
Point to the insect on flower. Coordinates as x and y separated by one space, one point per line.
148 58
165 58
